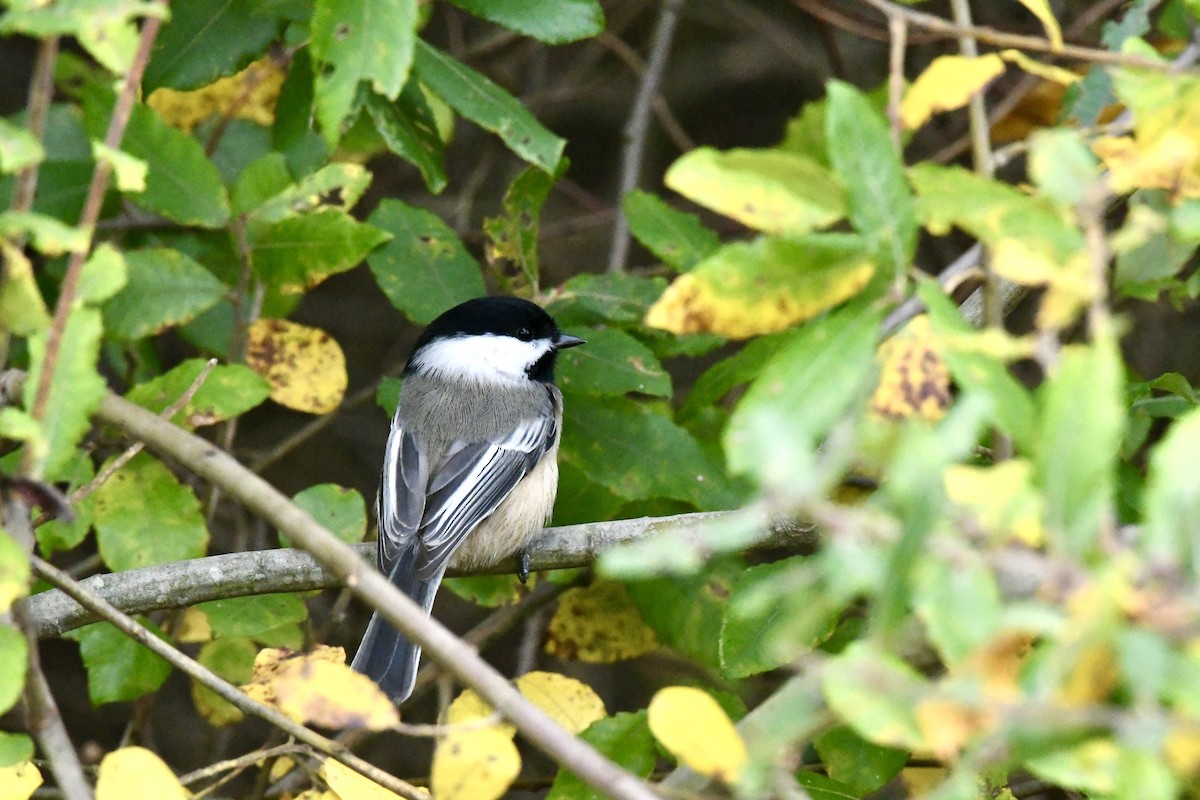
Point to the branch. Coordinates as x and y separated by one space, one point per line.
226 690
41 93
185 583
1034 44
635 128
259 497
87 219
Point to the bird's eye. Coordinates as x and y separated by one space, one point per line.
524 334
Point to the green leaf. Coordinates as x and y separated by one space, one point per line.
512 235
144 516
164 288
716 382
49 235
118 668
957 599
355 41
1078 443
387 396
1012 405
623 738
18 148
678 238
228 391
857 763
1062 166
14 658
1090 766
811 382
686 611
776 612
232 658
339 509
489 591
295 254
249 616
580 499
821 787
487 105
58 535
1172 498
15 748
875 693
424 269
1150 250
182 184
773 191
613 297
880 202
108 31
335 186
207 39
103 275
76 388
409 130
611 363
765 285
549 21
22 310
639 453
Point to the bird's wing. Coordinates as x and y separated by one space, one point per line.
401 495
473 483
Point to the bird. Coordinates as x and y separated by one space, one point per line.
470 471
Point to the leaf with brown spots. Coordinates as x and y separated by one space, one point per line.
304 366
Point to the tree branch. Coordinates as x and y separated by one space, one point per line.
185 583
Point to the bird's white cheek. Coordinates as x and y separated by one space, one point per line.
494 359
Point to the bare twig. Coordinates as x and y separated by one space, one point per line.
41 93
236 765
87 222
312 428
42 717
899 42
662 112
635 129
369 584
1034 44
227 691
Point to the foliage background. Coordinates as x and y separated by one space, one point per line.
739 75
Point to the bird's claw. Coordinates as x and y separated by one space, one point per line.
523 572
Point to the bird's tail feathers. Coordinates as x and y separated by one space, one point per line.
385 655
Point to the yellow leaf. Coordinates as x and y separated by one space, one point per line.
1068 282
946 84
192 627
914 381
947 725
1181 749
469 706
1041 10
320 688
1092 677
598 624
749 288
18 781
567 701
134 773
1001 497
250 94
1170 160
998 664
690 724
1045 71
477 764
304 366
920 781
346 784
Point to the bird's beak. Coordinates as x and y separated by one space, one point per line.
566 340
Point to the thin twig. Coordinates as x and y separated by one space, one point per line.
87 222
242 762
1035 44
42 717
135 448
223 688
635 129
41 93
662 112
899 42
311 429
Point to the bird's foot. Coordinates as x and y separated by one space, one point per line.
523 572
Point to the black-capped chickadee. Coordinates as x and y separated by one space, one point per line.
471 467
